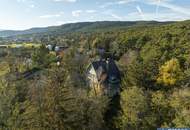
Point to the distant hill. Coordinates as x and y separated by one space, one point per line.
8 33
81 27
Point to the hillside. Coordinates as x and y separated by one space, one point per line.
42 88
8 33
81 27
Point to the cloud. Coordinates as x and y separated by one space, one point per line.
129 1
90 11
157 7
125 1
52 15
70 1
76 13
32 6
163 16
118 2
170 6
65 22
110 13
165 4
117 17
107 4
159 3
29 3
140 11
21 0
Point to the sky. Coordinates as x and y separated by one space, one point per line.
25 14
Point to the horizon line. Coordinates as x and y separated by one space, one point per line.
38 27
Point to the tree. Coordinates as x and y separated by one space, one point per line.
161 109
134 73
134 107
42 58
12 104
170 72
180 102
7 95
55 102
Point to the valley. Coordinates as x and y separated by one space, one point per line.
96 75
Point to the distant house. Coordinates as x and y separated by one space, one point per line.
56 48
50 47
104 76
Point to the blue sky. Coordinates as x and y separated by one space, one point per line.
24 14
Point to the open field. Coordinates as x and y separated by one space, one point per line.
24 45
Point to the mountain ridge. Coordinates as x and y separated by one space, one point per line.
80 26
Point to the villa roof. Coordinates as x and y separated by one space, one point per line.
106 70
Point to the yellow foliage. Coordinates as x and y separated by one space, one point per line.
13 45
31 45
52 53
25 45
170 72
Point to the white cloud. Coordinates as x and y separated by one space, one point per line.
140 11
158 6
112 15
170 6
117 17
159 3
181 12
28 3
118 2
128 1
76 13
32 6
21 0
164 16
70 1
52 15
65 22
107 4
125 1
90 11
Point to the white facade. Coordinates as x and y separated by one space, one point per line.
92 77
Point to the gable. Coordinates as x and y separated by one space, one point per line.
104 72
91 74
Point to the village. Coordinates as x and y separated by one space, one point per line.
102 74
94 64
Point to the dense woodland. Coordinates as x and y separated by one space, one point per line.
154 61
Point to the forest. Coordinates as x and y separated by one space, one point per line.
153 59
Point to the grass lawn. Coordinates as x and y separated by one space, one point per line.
25 45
